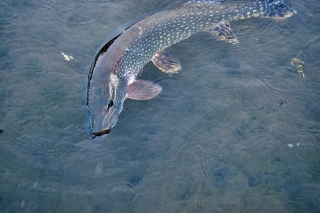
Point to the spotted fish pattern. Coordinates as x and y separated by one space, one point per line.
117 64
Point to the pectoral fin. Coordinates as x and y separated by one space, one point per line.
223 31
143 90
166 61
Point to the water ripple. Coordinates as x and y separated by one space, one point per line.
269 85
285 26
29 145
177 183
122 193
180 188
172 89
83 15
191 152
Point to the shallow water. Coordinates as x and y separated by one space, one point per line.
236 130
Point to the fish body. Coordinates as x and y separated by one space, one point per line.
117 64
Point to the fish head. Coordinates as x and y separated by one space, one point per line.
105 103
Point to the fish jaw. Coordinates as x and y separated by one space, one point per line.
101 133
109 120
103 123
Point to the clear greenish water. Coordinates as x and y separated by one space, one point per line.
236 130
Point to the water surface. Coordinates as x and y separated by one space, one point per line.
236 130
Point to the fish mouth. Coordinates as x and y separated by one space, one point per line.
103 132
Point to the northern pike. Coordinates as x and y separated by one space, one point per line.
117 64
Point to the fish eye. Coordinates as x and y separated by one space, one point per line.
110 104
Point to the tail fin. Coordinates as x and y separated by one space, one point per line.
278 9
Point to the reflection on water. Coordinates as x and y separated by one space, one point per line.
235 130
